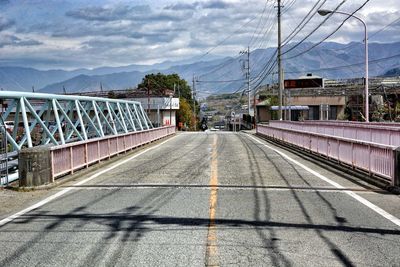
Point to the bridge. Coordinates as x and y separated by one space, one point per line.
290 194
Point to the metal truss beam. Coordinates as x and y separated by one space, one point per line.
58 119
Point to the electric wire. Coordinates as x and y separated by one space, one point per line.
304 22
350 65
259 23
332 33
314 30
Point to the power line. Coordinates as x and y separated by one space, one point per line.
350 65
259 22
228 37
227 81
304 22
332 33
384 28
269 20
315 29
288 6
371 35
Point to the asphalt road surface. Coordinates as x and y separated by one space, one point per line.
209 199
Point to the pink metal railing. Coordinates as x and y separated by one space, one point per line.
379 124
374 133
70 157
376 159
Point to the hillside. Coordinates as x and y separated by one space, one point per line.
329 60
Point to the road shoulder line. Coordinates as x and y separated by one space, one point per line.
360 199
67 189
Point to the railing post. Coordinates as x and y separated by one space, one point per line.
98 151
125 147
86 156
109 148
71 160
369 159
396 178
52 165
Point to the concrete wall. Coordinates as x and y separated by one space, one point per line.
34 166
263 114
318 100
338 101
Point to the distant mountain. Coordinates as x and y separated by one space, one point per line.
85 83
217 74
22 79
392 72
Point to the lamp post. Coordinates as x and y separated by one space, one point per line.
324 12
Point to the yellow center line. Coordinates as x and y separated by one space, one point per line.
211 249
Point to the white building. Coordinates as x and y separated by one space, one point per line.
161 110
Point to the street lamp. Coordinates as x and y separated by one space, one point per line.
324 12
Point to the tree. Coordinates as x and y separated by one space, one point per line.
158 83
185 113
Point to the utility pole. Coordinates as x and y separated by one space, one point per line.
194 101
280 72
148 97
247 68
248 76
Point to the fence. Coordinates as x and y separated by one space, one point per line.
3 156
70 157
377 159
387 134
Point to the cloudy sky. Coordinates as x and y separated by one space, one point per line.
70 34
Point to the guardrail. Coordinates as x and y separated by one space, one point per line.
376 159
361 123
67 158
43 164
370 132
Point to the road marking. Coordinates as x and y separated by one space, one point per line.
67 189
360 199
211 249
222 187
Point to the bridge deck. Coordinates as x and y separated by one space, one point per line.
209 199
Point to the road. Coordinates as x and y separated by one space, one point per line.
209 199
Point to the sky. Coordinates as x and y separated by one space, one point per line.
71 34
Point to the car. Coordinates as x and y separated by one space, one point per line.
9 126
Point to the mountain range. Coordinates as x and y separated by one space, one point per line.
216 74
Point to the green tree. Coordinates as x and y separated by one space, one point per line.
185 114
159 82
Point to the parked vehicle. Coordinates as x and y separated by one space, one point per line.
9 126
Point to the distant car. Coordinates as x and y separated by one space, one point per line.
9 126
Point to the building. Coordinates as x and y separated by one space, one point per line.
161 110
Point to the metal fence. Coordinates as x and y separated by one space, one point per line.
387 134
376 159
3 155
40 119
70 157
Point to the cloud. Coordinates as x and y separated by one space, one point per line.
11 40
118 12
216 4
4 2
109 32
182 6
213 4
5 23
